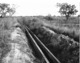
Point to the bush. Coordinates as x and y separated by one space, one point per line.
49 17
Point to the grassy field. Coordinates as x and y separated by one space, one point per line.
58 24
72 23
59 35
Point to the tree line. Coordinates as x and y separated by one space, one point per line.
65 9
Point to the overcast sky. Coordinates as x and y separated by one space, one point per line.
39 7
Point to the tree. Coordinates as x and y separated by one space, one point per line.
5 10
48 17
67 9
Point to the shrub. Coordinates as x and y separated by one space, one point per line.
49 17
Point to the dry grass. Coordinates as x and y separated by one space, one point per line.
59 43
5 30
57 24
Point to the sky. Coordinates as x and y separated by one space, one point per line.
39 7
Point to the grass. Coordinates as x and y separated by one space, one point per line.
58 24
5 30
61 43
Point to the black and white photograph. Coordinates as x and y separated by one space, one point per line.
39 31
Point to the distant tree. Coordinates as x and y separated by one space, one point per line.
5 10
67 10
48 17
78 15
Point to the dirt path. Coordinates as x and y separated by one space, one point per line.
20 51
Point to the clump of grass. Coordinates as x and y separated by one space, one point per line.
65 31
